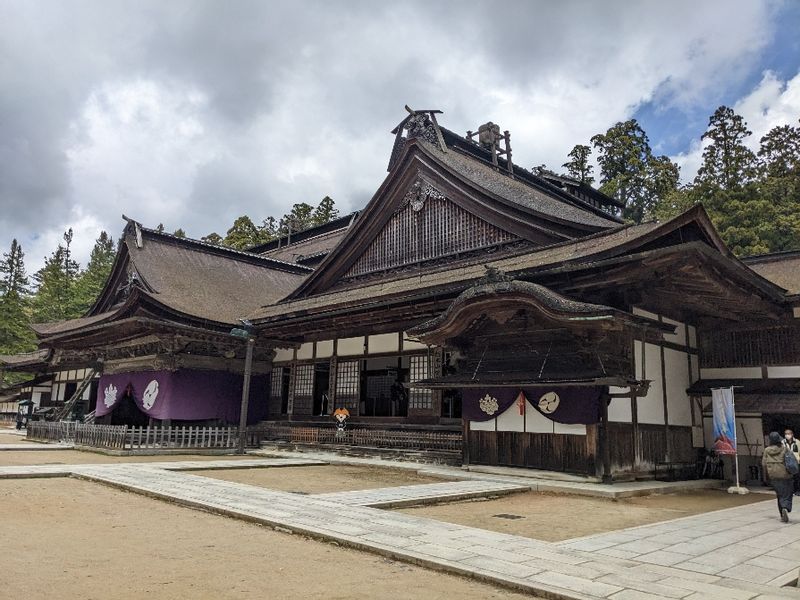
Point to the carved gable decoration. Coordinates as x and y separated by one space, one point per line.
427 227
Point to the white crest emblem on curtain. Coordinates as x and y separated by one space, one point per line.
110 395
150 394
549 402
488 404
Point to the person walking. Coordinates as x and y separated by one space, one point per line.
791 445
774 465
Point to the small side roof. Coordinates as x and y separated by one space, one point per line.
189 279
781 268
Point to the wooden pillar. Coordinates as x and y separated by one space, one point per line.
605 442
332 385
635 432
465 441
667 441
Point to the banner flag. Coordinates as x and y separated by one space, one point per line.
724 421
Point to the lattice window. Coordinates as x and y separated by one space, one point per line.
749 348
420 232
304 380
418 370
347 384
276 384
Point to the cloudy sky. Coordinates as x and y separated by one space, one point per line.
191 113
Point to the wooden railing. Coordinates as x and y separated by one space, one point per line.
374 438
123 437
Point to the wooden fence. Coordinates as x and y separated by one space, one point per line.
373 438
123 437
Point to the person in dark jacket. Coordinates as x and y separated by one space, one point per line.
779 477
794 447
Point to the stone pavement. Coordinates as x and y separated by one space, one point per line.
746 543
32 471
569 485
545 569
429 493
35 446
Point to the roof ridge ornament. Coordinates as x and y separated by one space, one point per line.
419 124
420 191
494 275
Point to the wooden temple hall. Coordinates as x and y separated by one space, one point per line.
468 295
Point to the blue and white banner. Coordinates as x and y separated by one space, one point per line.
724 421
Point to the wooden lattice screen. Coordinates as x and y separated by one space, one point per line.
750 348
437 229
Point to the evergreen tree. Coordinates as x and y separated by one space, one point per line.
779 154
212 238
269 229
325 212
630 172
578 167
15 334
179 233
243 234
55 293
93 278
298 219
727 163
160 228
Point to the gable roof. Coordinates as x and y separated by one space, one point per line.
691 229
189 279
529 211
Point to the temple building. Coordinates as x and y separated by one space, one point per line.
469 294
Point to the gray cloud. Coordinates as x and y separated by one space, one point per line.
191 113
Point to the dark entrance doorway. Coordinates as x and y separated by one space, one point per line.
322 378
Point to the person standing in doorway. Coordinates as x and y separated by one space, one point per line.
792 446
780 479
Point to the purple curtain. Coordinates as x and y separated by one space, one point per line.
568 405
185 395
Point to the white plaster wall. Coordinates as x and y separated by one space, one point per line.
644 313
619 410
679 337
385 342
350 346
650 407
305 351
325 349
692 336
678 379
778 372
732 373
410 344
284 354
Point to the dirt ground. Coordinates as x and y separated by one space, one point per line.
322 479
552 518
91 542
10 438
10 458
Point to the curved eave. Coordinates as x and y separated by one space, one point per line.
498 298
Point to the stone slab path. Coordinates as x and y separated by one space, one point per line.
35 446
746 543
429 493
32 471
572 485
548 570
